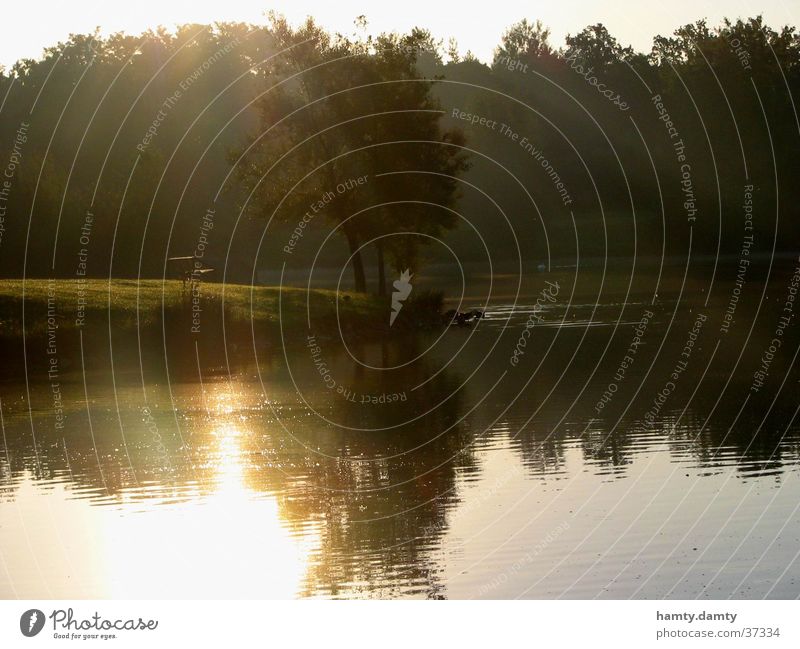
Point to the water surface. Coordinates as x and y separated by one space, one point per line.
432 467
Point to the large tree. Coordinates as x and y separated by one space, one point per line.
339 108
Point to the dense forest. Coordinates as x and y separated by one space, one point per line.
119 152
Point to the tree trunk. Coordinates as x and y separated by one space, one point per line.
381 272
359 277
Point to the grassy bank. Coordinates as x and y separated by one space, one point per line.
128 304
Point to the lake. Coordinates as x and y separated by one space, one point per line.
596 439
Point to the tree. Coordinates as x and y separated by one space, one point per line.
597 48
341 109
525 42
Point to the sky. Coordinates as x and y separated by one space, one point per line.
477 26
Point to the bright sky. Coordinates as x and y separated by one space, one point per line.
476 25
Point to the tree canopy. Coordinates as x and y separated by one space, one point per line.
148 133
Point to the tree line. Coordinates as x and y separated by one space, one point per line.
591 149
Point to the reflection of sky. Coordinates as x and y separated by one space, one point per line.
476 26
582 535
231 543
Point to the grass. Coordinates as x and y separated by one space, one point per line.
122 300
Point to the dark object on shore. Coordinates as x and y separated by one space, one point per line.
461 318
188 269
422 310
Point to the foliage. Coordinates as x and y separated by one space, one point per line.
328 107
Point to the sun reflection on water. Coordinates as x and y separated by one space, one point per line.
230 543
227 540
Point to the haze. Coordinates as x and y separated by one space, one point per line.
476 26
